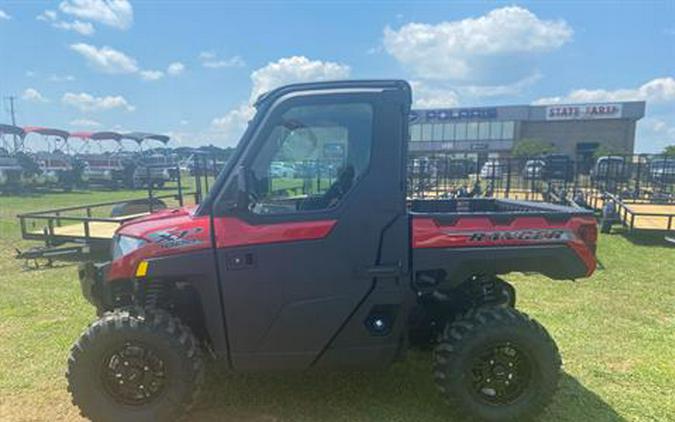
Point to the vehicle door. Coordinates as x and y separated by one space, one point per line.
323 181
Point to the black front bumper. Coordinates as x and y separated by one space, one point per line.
92 276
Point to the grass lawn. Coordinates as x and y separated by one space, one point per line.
616 333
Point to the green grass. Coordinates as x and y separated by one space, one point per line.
616 333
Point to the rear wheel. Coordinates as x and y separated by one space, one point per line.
135 365
497 364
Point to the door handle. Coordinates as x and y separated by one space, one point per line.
384 270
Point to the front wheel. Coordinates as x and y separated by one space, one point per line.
135 365
497 364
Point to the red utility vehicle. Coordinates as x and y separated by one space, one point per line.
302 269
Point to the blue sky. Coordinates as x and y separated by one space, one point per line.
190 68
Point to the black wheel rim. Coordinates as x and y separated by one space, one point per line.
134 374
500 373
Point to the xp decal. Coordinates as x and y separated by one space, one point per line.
176 237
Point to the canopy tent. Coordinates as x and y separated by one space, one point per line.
81 135
45 131
11 130
142 136
105 136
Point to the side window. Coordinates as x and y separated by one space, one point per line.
313 156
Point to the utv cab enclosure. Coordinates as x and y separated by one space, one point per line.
280 271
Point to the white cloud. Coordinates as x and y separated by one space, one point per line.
175 68
115 13
655 133
82 28
33 95
85 123
151 75
207 55
425 96
47 16
4 16
514 88
211 60
59 78
294 69
87 103
231 125
473 49
106 59
659 90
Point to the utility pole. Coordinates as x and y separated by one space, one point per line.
12 114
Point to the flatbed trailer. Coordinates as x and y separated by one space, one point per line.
80 233
639 215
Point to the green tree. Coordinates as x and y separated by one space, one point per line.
604 150
532 148
669 150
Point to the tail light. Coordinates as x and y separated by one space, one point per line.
589 235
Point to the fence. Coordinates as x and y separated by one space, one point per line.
552 178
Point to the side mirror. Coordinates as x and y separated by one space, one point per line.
238 198
242 196
242 179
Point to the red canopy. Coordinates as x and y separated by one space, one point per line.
81 135
46 131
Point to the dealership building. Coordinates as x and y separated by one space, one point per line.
577 130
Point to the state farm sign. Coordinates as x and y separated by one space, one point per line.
583 111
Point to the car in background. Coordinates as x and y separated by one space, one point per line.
534 169
280 169
558 167
662 170
612 168
492 170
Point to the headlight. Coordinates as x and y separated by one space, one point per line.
124 245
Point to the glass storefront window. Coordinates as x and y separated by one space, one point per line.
507 130
449 132
426 132
484 131
472 131
437 134
496 130
460 131
415 132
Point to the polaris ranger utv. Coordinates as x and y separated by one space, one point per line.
273 271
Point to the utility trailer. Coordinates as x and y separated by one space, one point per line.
84 232
639 215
